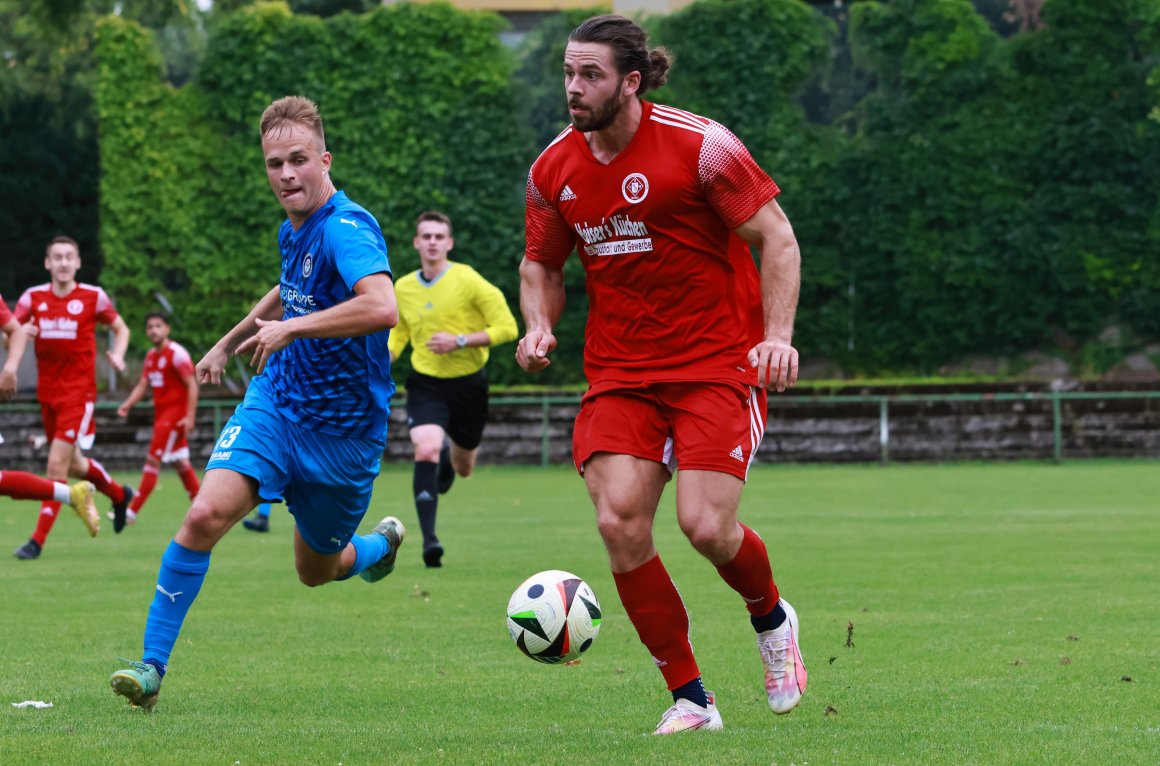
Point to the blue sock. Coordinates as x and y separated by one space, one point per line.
264 510
694 691
368 549
180 578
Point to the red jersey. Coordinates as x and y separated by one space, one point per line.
167 369
5 314
673 292
66 344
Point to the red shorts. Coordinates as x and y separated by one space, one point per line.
704 426
169 441
70 421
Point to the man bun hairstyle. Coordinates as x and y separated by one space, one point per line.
630 51
294 110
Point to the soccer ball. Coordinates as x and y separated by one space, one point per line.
553 616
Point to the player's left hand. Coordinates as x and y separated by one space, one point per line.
776 362
187 423
272 336
441 343
116 360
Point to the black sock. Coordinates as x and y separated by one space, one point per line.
768 621
426 490
446 470
694 691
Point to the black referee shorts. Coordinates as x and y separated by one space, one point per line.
457 405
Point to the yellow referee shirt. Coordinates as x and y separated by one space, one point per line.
459 302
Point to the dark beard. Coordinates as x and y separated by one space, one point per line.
601 117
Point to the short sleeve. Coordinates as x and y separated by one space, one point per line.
5 314
357 245
548 238
106 312
23 311
734 184
182 361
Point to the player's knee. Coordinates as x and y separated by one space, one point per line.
622 529
707 538
312 577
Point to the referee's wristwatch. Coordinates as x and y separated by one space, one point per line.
461 341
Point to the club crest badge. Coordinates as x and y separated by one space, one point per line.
634 187
307 264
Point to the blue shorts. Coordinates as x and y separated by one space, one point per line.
325 480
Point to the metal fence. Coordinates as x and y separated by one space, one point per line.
222 408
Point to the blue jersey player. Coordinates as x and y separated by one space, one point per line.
313 423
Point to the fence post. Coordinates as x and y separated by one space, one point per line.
884 429
545 441
1057 425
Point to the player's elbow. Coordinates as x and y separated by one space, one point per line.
383 317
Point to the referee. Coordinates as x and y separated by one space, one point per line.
451 316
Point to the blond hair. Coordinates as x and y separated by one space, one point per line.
294 110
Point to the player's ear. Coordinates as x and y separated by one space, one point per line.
631 84
326 161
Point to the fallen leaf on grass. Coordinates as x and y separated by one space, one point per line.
1018 661
1065 660
831 710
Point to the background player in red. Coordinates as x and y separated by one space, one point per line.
168 371
26 486
62 316
683 338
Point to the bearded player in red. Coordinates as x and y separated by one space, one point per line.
683 339
62 316
168 370
26 486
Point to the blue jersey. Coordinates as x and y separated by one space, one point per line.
338 386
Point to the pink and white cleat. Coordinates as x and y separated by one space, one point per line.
687 716
785 673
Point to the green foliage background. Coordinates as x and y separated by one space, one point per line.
416 100
955 191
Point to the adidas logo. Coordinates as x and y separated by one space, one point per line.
424 495
567 194
736 454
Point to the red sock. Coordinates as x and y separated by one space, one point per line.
189 481
104 482
750 575
48 513
148 482
658 614
26 486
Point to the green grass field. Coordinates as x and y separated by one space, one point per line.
998 614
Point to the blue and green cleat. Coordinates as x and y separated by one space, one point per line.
392 529
140 683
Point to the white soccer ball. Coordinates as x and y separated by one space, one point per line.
553 616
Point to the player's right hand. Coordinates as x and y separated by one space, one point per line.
32 329
533 349
7 384
123 410
211 366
